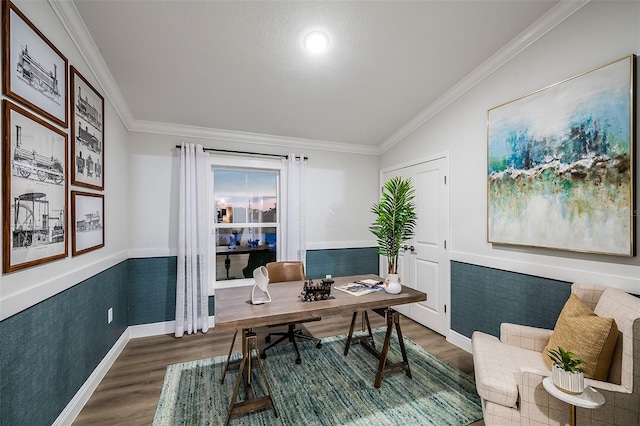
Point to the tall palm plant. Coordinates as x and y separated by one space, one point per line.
395 219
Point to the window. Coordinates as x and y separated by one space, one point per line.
246 218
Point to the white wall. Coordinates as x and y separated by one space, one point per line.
341 187
597 34
19 290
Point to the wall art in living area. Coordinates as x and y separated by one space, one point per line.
87 219
560 164
34 193
34 71
87 133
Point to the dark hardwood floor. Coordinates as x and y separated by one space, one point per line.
130 391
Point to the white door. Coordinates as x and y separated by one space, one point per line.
424 263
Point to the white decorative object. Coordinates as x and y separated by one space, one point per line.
261 275
567 381
393 286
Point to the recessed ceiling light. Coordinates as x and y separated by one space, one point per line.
316 41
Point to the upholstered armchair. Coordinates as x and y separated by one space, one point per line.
509 371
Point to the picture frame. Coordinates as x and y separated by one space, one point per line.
560 165
87 221
34 70
87 133
34 190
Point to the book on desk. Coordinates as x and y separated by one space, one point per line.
359 288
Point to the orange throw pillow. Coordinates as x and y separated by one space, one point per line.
590 337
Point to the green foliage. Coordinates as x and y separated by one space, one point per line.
565 360
395 219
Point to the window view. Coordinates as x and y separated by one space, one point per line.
246 223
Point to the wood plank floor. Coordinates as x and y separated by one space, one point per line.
130 391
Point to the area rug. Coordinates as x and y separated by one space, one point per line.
326 389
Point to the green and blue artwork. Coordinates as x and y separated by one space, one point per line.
560 165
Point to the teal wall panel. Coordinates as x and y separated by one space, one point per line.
152 290
482 298
341 262
48 351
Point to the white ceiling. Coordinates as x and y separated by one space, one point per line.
240 66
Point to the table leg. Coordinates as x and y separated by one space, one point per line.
572 415
353 323
251 403
367 342
226 366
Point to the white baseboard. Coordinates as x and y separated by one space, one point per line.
73 408
158 328
463 342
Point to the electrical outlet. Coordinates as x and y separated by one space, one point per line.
109 315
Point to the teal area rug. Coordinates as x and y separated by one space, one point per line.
326 389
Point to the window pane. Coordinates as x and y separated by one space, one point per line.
245 196
241 250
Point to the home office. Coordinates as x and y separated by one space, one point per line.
57 343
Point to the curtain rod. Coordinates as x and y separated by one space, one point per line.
229 151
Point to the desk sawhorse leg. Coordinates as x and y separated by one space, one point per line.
243 365
384 367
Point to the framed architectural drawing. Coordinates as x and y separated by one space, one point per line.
560 165
34 192
87 133
34 71
87 219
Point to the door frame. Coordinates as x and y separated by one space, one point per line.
441 155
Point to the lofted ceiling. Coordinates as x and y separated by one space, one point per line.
240 66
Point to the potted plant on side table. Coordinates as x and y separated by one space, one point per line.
565 371
395 223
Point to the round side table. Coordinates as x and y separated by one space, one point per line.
590 398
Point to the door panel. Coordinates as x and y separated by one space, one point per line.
428 283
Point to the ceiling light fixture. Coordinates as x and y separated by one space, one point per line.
316 41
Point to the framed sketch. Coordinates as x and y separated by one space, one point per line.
34 192
560 165
87 221
34 71
87 133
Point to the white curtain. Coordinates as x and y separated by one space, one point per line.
192 295
295 247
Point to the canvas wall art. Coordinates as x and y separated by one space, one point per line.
560 165
34 190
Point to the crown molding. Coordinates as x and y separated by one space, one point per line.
539 28
70 18
142 126
72 22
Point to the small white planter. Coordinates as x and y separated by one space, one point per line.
566 381
394 286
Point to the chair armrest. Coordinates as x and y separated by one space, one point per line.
525 337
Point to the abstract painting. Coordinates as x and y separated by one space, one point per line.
560 165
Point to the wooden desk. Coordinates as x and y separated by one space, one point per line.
235 311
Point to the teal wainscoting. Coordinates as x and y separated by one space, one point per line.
48 351
152 290
342 262
482 298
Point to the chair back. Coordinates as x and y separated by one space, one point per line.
288 270
624 308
